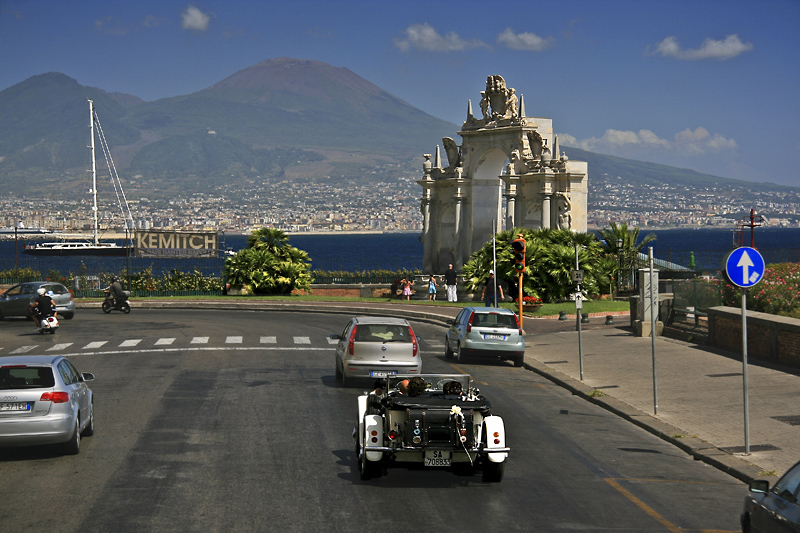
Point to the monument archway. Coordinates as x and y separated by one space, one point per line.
505 155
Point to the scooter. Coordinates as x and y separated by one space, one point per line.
48 325
118 304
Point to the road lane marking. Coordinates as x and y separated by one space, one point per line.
233 340
24 349
130 343
302 340
206 348
59 347
93 345
269 340
643 506
199 340
333 341
165 341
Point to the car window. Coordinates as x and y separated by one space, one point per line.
494 320
14 291
67 372
787 487
27 289
26 377
57 288
383 333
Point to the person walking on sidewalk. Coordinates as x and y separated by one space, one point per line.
450 280
489 294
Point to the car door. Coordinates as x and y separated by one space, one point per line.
779 511
453 333
77 389
341 347
17 300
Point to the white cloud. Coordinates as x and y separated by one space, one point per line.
728 48
524 41
424 37
194 19
644 142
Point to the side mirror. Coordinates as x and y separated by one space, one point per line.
759 485
87 376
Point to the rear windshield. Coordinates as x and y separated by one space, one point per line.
494 320
56 288
382 333
28 377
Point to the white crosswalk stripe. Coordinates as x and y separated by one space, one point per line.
130 342
233 340
269 340
24 349
199 340
59 347
95 344
302 340
165 341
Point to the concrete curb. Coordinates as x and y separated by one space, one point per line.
697 448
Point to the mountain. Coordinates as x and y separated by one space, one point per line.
282 117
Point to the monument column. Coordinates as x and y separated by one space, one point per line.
459 201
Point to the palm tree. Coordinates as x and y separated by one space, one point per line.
624 243
269 265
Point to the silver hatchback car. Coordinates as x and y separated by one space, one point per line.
44 400
16 301
376 347
485 332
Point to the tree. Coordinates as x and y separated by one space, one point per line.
269 265
630 249
549 262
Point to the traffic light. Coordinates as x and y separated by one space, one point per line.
518 245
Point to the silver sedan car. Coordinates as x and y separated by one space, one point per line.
485 332
44 400
16 301
376 347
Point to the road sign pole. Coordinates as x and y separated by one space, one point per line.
653 311
578 306
744 375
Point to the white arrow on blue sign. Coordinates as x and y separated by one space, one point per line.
744 267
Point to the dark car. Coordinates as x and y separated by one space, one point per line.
16 301
776 509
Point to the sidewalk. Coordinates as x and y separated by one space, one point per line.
700 392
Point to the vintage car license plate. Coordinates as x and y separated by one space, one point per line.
437 458
15 406
492 337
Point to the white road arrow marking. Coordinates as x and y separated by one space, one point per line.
745 263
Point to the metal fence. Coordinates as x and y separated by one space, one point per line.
693 298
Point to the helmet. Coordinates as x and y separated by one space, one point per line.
114 280
40 291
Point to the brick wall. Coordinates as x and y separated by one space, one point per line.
770 338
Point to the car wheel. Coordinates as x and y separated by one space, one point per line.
368 469
338 373
448 353
52 331
106 307
88 431
126 307
460 357
1 315
73 445
518 361
493 472
68 316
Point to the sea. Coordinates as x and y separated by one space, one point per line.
356 252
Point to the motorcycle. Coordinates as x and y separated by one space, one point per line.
117 304
48 325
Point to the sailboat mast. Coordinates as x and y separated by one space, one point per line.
94 172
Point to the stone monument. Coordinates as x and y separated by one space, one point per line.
508 172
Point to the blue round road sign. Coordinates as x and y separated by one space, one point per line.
744 267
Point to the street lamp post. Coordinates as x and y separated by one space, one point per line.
619 266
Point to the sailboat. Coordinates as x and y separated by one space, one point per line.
95 246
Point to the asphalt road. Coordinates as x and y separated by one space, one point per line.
234 422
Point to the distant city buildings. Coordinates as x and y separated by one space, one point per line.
371 204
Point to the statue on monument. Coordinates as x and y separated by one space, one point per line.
453 152
512 105
564 211
485 106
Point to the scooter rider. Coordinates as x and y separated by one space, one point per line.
115 290
42 307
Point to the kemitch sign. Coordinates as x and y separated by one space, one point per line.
177 244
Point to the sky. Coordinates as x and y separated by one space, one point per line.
710 85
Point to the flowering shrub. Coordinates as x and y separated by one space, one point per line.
777 293
530 300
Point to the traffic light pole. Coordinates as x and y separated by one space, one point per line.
519 295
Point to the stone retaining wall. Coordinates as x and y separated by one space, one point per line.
771 338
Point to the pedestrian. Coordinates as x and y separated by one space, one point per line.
407 288
450 283
432 288
489 294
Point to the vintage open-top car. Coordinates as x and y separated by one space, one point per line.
429 420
